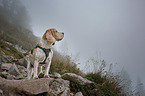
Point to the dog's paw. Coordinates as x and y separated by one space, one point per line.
36 77
46 76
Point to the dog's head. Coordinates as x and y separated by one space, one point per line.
52 35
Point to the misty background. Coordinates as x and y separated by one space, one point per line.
110 30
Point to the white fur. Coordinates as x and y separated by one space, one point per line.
39 57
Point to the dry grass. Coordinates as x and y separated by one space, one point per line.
8 50
63 64
107 85
17 35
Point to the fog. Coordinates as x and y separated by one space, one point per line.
113 30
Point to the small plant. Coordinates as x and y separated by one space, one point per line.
107 83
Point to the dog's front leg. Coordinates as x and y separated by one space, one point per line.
29 71
47 67
48 63
35 69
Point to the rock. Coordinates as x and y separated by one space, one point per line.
22 70
41 87
71 94
14 70
2 60
78 79
23 62
1 92
9 58
55 75
3 75
60 87
19 77
6 75
6 66
78 94
11 77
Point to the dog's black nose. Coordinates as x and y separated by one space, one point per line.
62 33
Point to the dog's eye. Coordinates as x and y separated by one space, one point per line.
53 43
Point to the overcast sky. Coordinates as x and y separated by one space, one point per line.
113 28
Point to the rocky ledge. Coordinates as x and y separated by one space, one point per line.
39 87
13 82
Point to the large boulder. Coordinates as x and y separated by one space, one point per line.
39 87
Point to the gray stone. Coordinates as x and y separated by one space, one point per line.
22 70
6 66
55 75
9 58
71 94
19 77
78 94
2 60
14 70
41 87
1 92
60 87
11 77
78 79
23 62
6 75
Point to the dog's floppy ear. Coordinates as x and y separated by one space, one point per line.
48 36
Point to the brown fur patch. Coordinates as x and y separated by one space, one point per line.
50 31
34 51
49 35
40 44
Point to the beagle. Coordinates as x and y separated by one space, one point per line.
42 53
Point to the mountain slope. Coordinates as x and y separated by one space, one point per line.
17 35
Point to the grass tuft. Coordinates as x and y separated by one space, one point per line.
63 64
9 50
